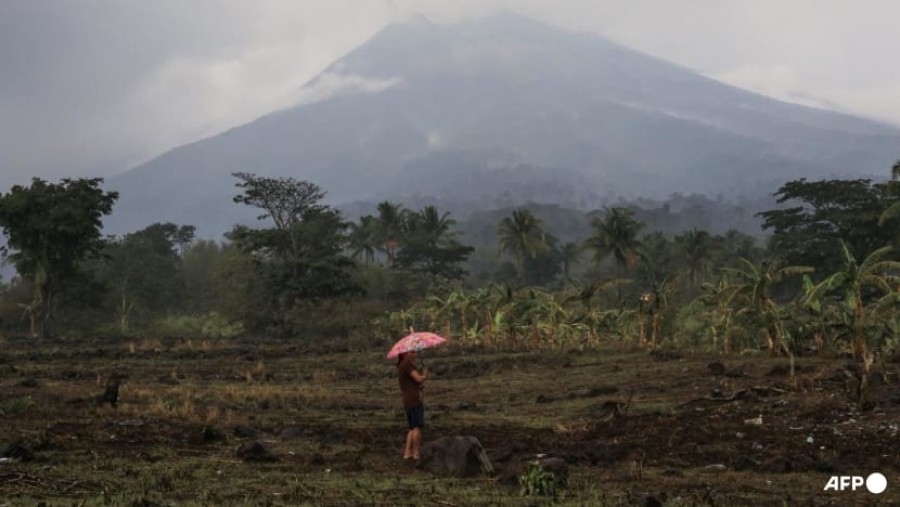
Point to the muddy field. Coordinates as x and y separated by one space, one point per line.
632 428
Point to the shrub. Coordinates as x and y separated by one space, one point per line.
211 325
537 481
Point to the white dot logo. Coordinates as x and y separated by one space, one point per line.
876 483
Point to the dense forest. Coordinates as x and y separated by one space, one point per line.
824 277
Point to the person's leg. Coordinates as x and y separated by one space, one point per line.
417 443
419 423
411 421
408 448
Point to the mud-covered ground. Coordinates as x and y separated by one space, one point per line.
672 428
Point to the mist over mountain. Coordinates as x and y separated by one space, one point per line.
494 113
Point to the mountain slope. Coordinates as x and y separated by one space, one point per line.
419 100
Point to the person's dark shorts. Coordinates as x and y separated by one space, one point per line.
415 416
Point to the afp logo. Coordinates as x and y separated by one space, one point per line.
876 483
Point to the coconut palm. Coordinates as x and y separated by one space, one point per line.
697 249
521 235
617 234
390 228
434 225
363 239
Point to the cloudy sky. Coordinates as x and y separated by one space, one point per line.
93 87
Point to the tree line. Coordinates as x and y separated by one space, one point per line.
825 277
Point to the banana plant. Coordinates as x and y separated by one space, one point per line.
863 317
720 297
752 285
655 302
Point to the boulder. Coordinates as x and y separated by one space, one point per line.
716 368
460 456
243 431
205 435
17 452
254 451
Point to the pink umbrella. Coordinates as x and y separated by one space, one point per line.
415 342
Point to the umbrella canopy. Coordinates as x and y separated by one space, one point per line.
415 342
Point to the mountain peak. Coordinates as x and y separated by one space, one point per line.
502 43
432 99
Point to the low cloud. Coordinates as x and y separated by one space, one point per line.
330 84
778 80
94 87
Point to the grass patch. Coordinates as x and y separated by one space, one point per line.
15 406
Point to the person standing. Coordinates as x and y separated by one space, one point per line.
411 389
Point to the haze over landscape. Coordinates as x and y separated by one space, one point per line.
650 251
481 109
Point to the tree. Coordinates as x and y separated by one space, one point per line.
520 235
391 225
569 254
301 259
545 267
659 257
137 275
696 249
892 211
431 248
363 239
201 267
140 272
51 227
617 234
825 213
284 200
734 245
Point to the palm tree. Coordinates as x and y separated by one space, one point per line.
569 254
434 225
697 249
390 225
363 239
617 234
521 235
